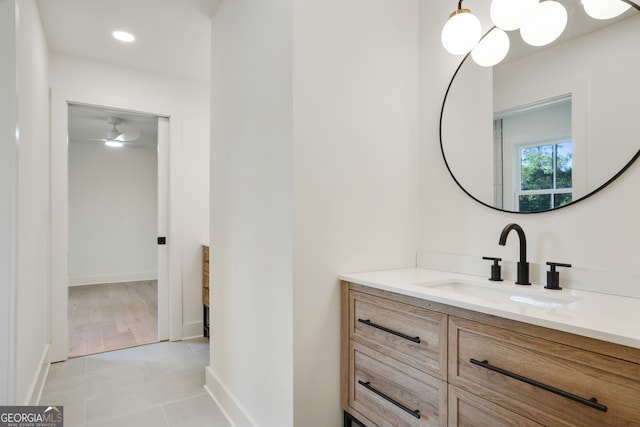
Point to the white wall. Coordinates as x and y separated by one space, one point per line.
188 102
251 213
314 173
34 228
113 203
355 93
598 235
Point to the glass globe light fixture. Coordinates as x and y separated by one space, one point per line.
510 15
491 49
461 32
546 24
605 9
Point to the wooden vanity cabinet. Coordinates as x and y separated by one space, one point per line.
205 291
474 370
394 361
550 382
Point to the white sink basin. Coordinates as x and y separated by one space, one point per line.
504 293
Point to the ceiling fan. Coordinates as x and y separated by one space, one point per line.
116 138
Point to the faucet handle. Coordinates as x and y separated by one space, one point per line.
496 269
553 277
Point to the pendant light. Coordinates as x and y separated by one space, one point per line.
546 24
510 15
492 48
461 32
605 9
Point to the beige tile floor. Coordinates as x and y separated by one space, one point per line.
155 385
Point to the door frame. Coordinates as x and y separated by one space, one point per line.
9 202
60 100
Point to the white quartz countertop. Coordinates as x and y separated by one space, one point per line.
595 315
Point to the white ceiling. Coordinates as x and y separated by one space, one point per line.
172 36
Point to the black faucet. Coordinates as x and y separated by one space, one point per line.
523 265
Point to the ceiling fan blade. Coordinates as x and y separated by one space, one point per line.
127 136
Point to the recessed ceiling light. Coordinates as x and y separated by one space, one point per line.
124 36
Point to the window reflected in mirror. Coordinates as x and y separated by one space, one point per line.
534 156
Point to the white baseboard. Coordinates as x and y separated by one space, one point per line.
232 409
192 330
111 278
39 379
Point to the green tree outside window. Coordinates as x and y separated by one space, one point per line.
545 176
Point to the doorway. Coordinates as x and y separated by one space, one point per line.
170 149
116 200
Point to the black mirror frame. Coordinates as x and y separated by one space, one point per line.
573 202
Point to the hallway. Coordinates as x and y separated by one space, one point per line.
156 385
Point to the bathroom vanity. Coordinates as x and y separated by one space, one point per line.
428 348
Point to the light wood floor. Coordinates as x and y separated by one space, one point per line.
112 316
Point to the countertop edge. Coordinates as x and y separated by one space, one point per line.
406 282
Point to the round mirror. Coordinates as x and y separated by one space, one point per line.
548 126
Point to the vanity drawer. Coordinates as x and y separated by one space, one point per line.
468 410
551 383
411 334
393 394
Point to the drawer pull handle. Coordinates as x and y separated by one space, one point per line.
593 402
391 331
367 385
